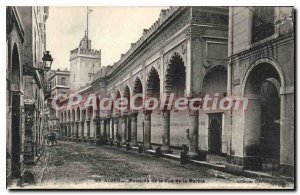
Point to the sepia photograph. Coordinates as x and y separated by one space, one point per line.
150 97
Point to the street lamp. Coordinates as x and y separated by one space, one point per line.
47 61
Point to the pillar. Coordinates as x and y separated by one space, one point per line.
166 131
111 127
88 123
77 130
193 133
124 119
102 128
73 129
82 129
69 129
85 127
120 129
116 128
66 130
134 129
61 130
287 128
97 131
107 124
147 129
93 127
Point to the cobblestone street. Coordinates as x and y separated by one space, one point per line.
71 163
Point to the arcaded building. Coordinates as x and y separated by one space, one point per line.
262 69
192 52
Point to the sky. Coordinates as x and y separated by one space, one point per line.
111 29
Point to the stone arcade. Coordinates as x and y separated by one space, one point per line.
193 51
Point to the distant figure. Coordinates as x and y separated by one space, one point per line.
51 138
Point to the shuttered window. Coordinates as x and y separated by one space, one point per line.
263 23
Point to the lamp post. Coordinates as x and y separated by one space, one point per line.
47 61
46 65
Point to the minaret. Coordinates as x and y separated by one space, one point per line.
84 62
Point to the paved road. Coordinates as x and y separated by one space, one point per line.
75 163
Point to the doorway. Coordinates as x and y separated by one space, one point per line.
215 133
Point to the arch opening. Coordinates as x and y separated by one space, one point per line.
215 81
175 76
16 114
153 84
138 89
262 90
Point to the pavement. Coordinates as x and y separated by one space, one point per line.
73 165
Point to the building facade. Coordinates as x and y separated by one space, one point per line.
192 52
26 44
59 84
185 42
14 94
262 66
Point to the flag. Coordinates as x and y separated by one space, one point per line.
89 10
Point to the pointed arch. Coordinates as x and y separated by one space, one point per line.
175 76
153 84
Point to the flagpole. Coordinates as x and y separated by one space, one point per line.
87 27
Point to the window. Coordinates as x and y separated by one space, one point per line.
90 76
63 81
263 23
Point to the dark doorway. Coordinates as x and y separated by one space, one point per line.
16 115
16 137
270 125
264 82
215 133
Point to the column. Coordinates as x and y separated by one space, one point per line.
107 124
85 129
134 129
97 131
77 130
111 127
116 128
74 130
287 130
61 131
88 129
120 129
102 128
82 130
124 119
193 133
166 131
93 129
66 130
147 129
